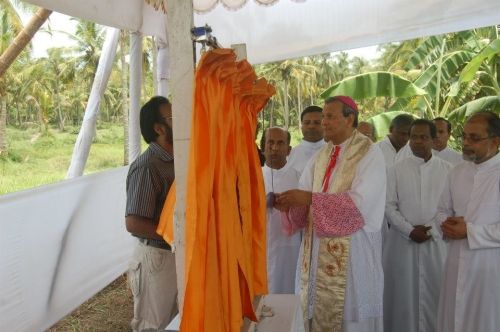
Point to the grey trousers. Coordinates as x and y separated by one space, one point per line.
152 280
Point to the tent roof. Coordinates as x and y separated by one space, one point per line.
289 29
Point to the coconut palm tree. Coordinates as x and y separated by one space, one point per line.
11 25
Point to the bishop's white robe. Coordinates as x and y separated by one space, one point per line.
302 153
470 295
413 271
363 303
282 249
450 155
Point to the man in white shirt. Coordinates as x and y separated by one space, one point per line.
340 206
396 139
312 132
440 145
470 211
282 248
414 251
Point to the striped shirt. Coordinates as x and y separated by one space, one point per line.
148 182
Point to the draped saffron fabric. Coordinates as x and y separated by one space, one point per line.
225 201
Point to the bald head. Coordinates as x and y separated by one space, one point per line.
276 146
367 129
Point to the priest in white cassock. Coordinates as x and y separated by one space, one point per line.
440 146
312 132
470 212
395 141
282 248
414 251
340 206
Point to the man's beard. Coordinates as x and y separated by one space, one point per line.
170 135
468 155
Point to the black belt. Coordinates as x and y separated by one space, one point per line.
155 243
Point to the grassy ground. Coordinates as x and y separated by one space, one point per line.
109 311
34 159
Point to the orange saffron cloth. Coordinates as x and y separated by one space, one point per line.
225 228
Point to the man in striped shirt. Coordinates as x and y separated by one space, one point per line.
152 275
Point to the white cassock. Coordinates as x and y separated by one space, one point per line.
365 278
450 155
413 271
390 153
470 295
390 157
282 250
302 153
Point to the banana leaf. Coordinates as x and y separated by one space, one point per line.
469 72
491 103
424 52
374 84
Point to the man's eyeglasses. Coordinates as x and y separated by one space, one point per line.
472 138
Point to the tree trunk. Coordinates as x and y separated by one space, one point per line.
299 103
271 115
124 94
58 106
23 38
287 110
3 125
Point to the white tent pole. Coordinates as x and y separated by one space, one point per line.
163 66
134 132
87 131
179 24
154 54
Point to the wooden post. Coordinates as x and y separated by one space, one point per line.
179 24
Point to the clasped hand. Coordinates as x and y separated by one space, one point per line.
454 228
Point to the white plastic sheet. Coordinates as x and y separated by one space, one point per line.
59 245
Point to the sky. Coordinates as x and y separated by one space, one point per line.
59 22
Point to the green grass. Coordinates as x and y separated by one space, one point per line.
34 159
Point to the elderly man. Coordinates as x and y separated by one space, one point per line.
440 145
340 205
414 251
470 211
397 138
310 125
282 248
367 129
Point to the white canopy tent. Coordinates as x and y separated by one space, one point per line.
288 29
285 29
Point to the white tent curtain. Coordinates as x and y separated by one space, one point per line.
59 245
